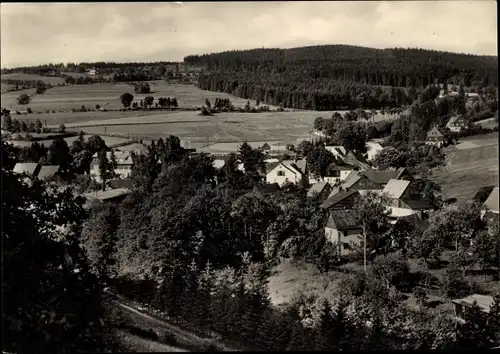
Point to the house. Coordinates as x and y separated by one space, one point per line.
29 168
335 172
107 196
136 148
435 137
372 149
457 124
263 189
374 180
355 158
342 229
321 189
92 72
461 306
287 171
341 200
402 202
123 160
265 148
51 173
337 151
490 208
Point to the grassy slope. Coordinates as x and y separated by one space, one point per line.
69 97
469 169
21 76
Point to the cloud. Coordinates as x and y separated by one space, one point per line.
38 33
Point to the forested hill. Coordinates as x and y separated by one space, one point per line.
338 76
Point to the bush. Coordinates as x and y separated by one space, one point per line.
29 110
454 285
393 269
168 338
23 99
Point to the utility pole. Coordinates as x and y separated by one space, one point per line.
364 250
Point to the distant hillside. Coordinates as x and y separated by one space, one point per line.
338 76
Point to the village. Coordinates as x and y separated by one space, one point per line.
337 189
183 177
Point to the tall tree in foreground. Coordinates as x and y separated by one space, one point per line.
372 216
52 304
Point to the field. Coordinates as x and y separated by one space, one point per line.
227 128
473 164
67 118
107 95
21 76
109 140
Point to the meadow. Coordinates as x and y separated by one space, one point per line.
53 80
66 98
470 165
110 141
223 128
53 120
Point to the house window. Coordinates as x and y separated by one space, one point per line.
281 173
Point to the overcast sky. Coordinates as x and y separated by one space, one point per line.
38 33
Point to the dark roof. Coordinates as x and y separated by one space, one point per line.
317 188
48 171
382 177
337 198
121 183
416 221
355 159
271 166
418 204
267 188
340 165
342 220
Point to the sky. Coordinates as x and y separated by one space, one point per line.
38 33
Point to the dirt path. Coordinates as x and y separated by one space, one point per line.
182 335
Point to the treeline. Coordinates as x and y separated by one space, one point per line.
339 77
105 67
27 84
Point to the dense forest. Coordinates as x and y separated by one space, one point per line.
338 76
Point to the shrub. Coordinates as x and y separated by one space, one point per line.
393 269
29 110
455 285
23 99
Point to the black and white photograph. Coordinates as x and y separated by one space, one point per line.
249 176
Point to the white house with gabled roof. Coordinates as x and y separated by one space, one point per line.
287 171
